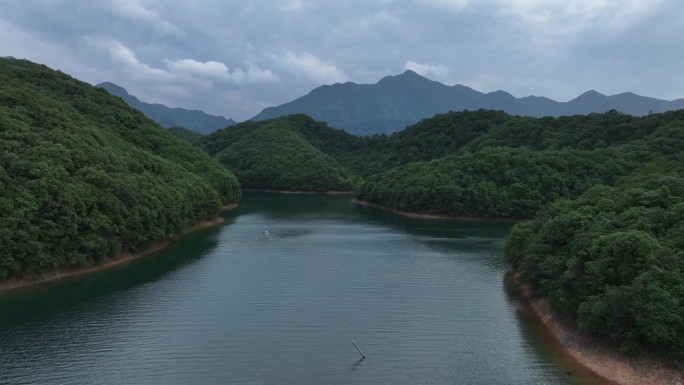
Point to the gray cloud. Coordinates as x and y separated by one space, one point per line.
236 57
308 66
137 11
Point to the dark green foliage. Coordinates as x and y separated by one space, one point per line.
443 134
276 155
645 134
614 258
497 183
427 140
83 176
558 157
187 135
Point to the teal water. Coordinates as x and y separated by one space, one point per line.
425 300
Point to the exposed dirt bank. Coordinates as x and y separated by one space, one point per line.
604 361
297 191
433 216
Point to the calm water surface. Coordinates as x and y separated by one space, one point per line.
425 301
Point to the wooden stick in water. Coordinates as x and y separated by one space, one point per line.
357 348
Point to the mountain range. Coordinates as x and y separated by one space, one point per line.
168 117
398 101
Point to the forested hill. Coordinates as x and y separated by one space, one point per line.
83 176
262 153
499 162
276 154
613 259
398 101
168 117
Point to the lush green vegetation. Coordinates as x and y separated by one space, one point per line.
483 176
613 259
83 176
500 182
186 134
275 155
364 155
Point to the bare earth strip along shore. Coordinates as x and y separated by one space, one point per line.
431 216
607 363
65 272
297 191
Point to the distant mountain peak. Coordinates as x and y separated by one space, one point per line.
406 76
588 99
502 93
168 117
113 88
592 94
408 73
397 101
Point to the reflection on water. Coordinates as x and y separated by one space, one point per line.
424 300
52 297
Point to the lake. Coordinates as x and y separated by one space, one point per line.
425 300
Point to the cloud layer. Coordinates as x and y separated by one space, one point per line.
236 57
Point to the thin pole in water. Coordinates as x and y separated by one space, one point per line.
357 348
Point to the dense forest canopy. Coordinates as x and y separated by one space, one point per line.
84 177
554 158
499 182
275 155
186 134
613 258
471 163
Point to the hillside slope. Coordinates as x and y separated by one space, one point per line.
276 155
83 176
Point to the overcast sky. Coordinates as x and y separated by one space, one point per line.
234 58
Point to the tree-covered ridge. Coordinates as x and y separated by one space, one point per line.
586 132
186 135
83 176
443 135
613 259
500 182
605 146
275 155
367 155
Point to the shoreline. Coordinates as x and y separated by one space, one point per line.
59 273
605 362
411 214
229 206
297 191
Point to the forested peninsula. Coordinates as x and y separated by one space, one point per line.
84 177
